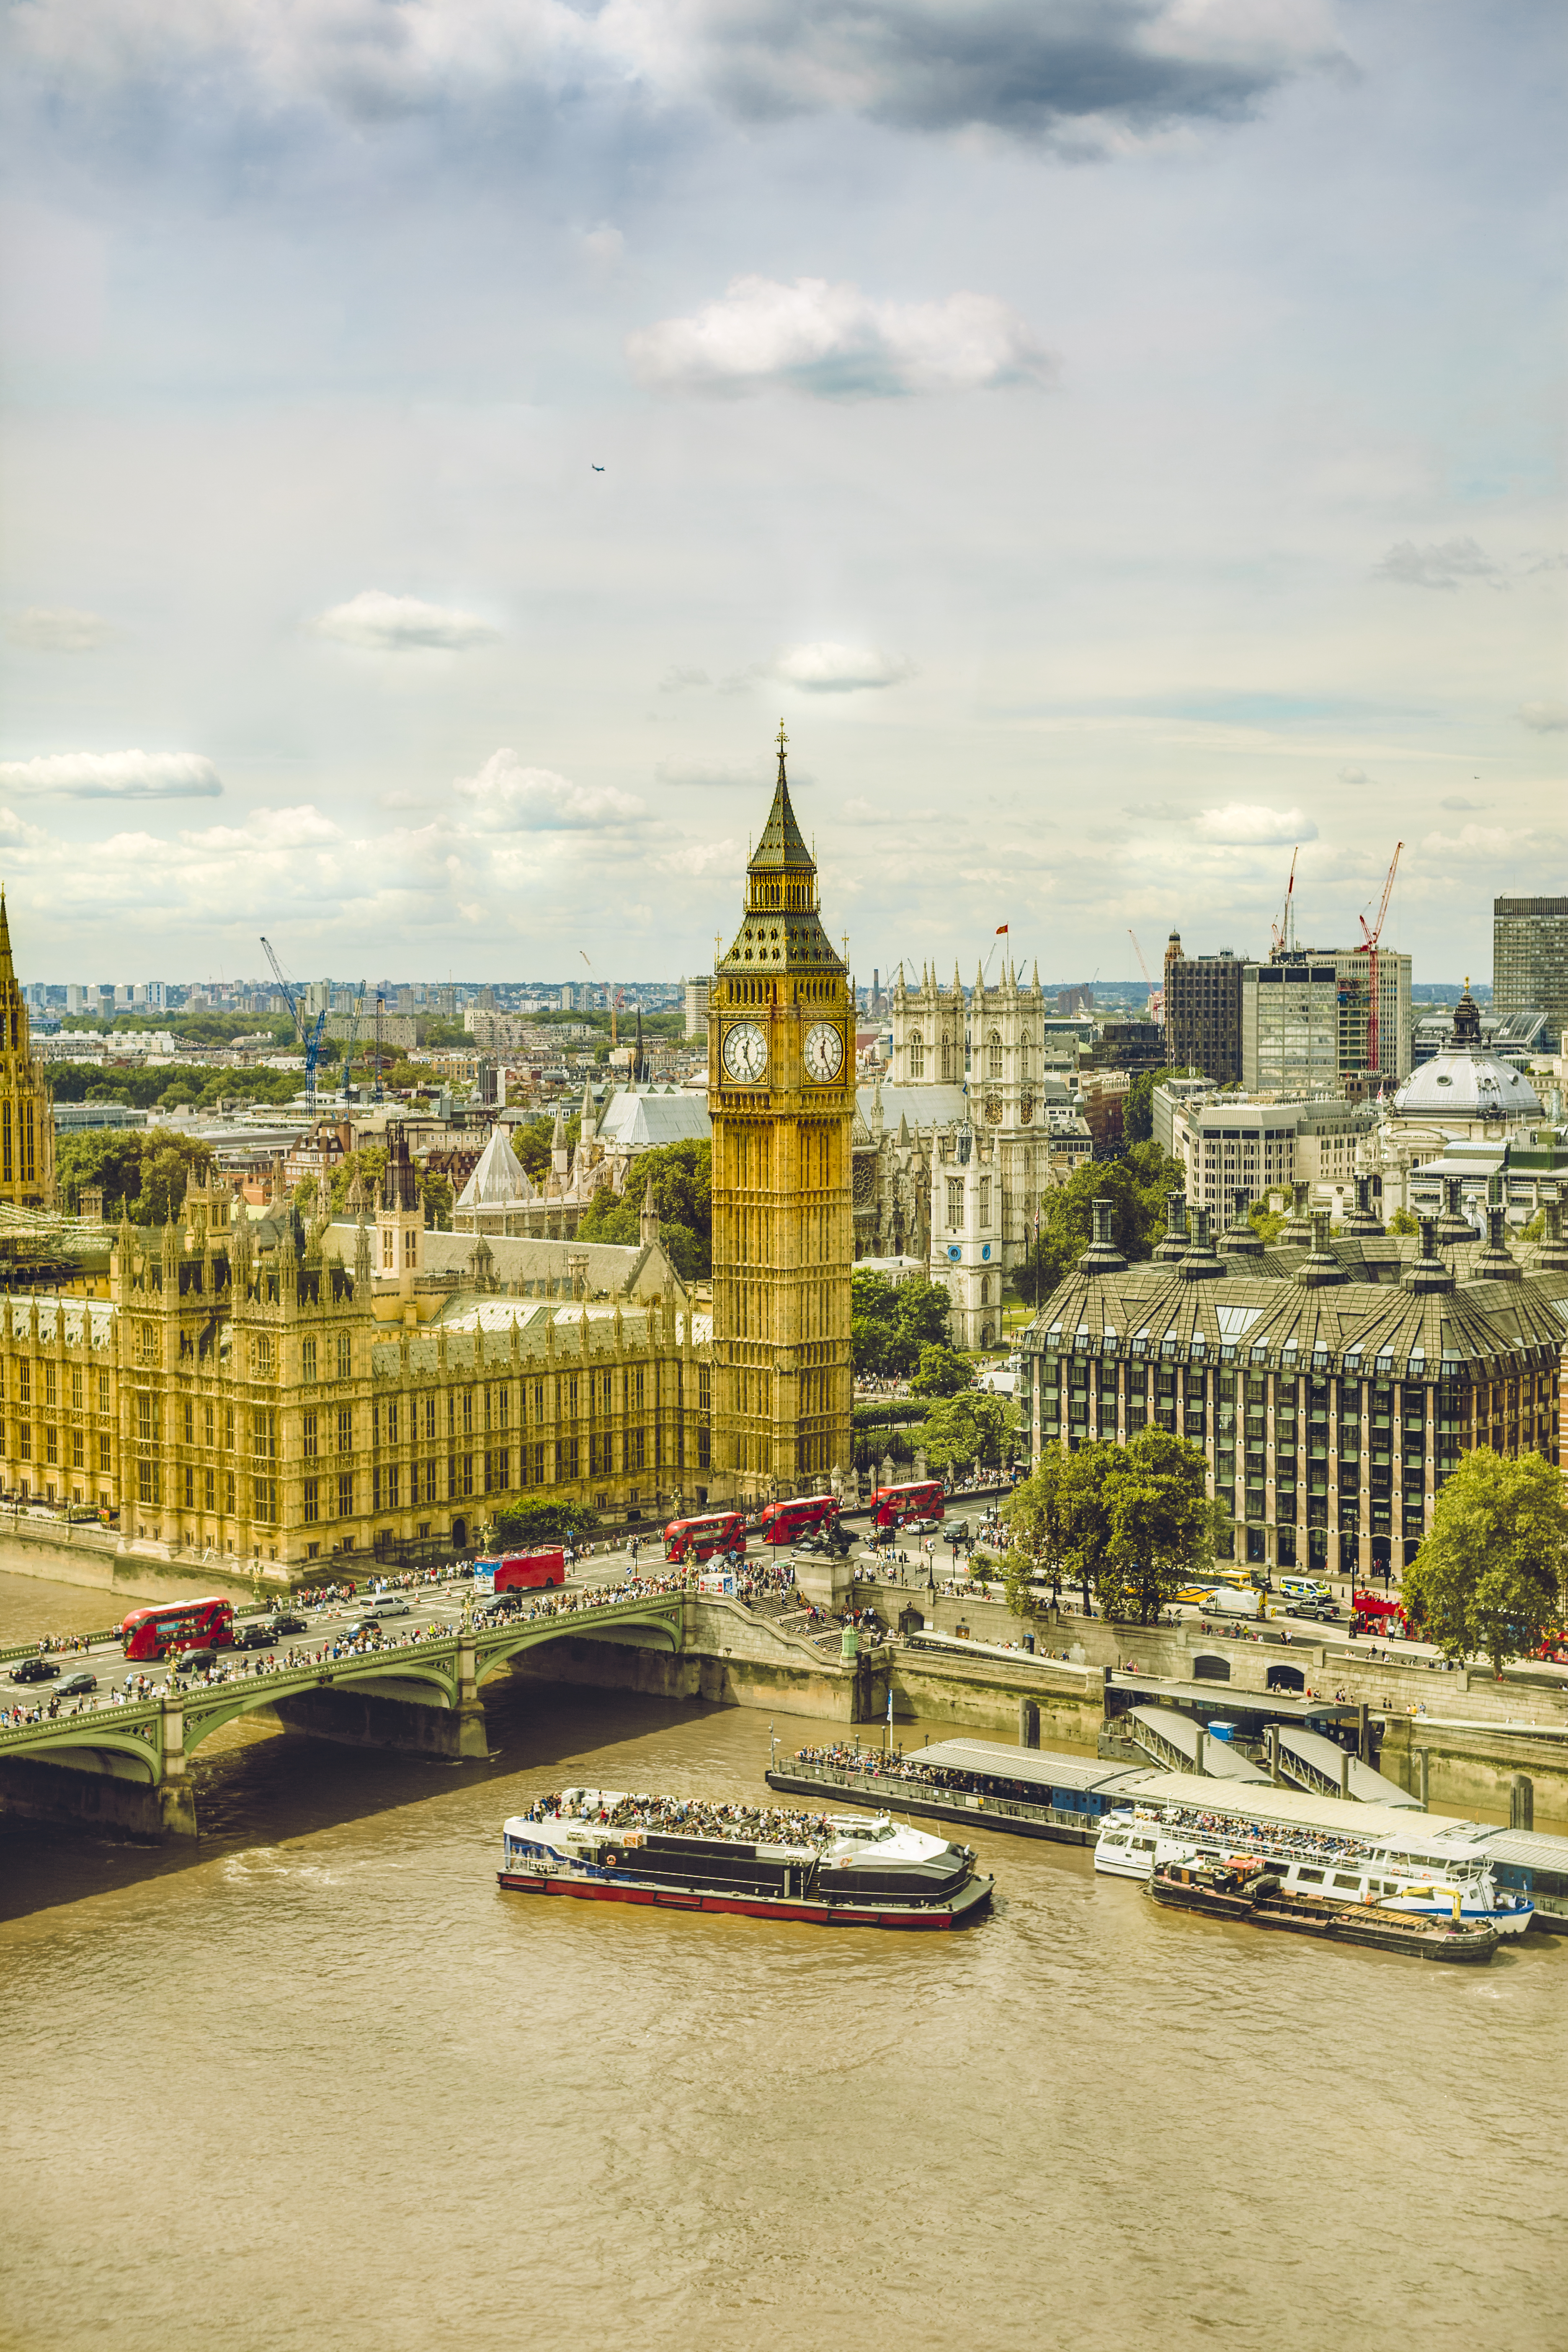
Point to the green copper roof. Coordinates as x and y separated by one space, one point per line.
782 845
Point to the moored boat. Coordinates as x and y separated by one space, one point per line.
1404 1872
1249 1895
610 1845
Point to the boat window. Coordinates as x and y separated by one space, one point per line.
1340 1880
1144 1846
1314 1878
1391 1885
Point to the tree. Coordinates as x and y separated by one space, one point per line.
369 1164
890 1322
969 1428
1135 1185
1267 1223
941 1373
1135 1521
146 1169
435 1188
681 1175
1489 1579
1035 1511
533 1524
1402 1222
1137 1107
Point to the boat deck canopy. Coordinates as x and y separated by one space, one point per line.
1039 1767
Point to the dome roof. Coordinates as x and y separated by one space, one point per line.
1467 1080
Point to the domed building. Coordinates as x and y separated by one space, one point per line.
1467 1094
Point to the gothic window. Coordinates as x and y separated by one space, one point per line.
985 1200
947 1058
345 1356
1024 1042
954 1203
917 1054
985 1290
994 1055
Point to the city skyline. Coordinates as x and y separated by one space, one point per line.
1111 491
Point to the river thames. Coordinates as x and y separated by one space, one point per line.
317 2083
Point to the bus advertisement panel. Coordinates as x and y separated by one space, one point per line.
163 1631
698 1539
806 1515
901 1506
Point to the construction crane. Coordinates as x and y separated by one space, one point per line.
290 998
616 995
1283 932
1371 937
1156 996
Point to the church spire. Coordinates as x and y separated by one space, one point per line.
7 974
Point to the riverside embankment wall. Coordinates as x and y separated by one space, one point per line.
97 1559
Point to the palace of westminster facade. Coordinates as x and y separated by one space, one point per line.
275 1390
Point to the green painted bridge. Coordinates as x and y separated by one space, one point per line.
128 1764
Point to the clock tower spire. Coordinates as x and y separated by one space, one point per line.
780 1092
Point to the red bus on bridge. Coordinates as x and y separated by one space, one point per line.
901 1506
163 1631
808 1514
519 1571
701 1539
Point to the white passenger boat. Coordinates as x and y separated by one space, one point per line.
1400 1875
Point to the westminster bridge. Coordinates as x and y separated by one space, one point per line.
126 1762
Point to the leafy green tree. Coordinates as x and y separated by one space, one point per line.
436 1198
968 1429
941 1373
890 1322
1404 1222
682 1179
1135 1185
1137 1107
145 1168
1267 1223
533 1524
1490 1578
369 1164
1135 1521
532 1141
1035 1511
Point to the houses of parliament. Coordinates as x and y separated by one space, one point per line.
280 1389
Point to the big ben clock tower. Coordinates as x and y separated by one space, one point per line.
781 1092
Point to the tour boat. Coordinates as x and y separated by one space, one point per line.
1248 1893
1327 1865
607 1845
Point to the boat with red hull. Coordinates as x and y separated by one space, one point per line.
602 1845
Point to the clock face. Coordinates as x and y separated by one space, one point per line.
1025 1107
824 1051
994 1109
745 1052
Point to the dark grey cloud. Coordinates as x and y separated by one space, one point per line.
1038 70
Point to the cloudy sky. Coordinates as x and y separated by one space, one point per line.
1121 439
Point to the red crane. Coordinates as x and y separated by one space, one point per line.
1373 1027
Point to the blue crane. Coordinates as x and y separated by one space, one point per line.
313 1048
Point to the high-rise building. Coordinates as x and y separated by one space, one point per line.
1305 1019
1202 1012
1530 960
696 1008
569 997
781 1096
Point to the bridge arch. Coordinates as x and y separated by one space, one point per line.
208 1712
665 1626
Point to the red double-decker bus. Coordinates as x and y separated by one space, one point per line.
901 1506
701 1539
519 1571
164 1630
805 1515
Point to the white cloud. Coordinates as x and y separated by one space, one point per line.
1438 564
704 860
507 797
838 343
723 776
830 668
269 830
395 624
57 630
1354 776
1476 841
115 776
676 681
1544 718
1456 801
1242 826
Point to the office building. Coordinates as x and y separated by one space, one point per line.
1305 1020
1529 960
1202 1012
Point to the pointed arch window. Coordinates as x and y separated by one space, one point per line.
947 1071
917 1054
994 1055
